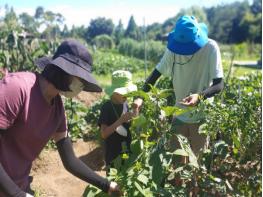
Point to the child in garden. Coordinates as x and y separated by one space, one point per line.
114 120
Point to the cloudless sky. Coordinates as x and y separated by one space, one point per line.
80 12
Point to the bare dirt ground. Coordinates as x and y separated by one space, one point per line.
50 177
89 98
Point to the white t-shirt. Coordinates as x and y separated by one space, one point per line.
192 73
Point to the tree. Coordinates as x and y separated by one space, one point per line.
78 32
118 32
28 22
39 12
256 7
51 22
169 24
238 33
256 28
132 29
251 27
196 11
11 19
154 31
65 32
221 22
99 26
235 23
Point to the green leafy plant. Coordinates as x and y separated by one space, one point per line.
76 112
229 165
18 53
106 62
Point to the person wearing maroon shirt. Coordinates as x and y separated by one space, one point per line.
32 113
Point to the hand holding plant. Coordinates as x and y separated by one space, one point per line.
191 100
136 106
114 189
126 117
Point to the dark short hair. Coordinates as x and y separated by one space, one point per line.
58 77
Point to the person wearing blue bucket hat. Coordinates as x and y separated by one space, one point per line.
193 61
32 113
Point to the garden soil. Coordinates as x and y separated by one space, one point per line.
50 177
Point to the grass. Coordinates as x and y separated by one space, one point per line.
105 80
240 71
237 71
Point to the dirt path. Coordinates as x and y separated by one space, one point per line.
89 98
50 177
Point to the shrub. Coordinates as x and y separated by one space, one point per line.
242 51
104 41
107 62
130 47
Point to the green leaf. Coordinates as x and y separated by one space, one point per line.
229 185
135 147
140 93
141 144
92 191
139 121
186 147
142 178
181 152
235 151
113 172
137 185
218 180
173 110
171 176
148 192
179 169
221 149
125 156
157 172
165 93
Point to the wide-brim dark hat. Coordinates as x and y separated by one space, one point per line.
73 57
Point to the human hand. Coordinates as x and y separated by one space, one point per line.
29 195
126 117
136 106
114 189
191 100
138 102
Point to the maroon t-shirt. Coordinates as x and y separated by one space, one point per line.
29 122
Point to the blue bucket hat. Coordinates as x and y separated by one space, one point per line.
188 36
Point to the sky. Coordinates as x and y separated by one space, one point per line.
80 12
